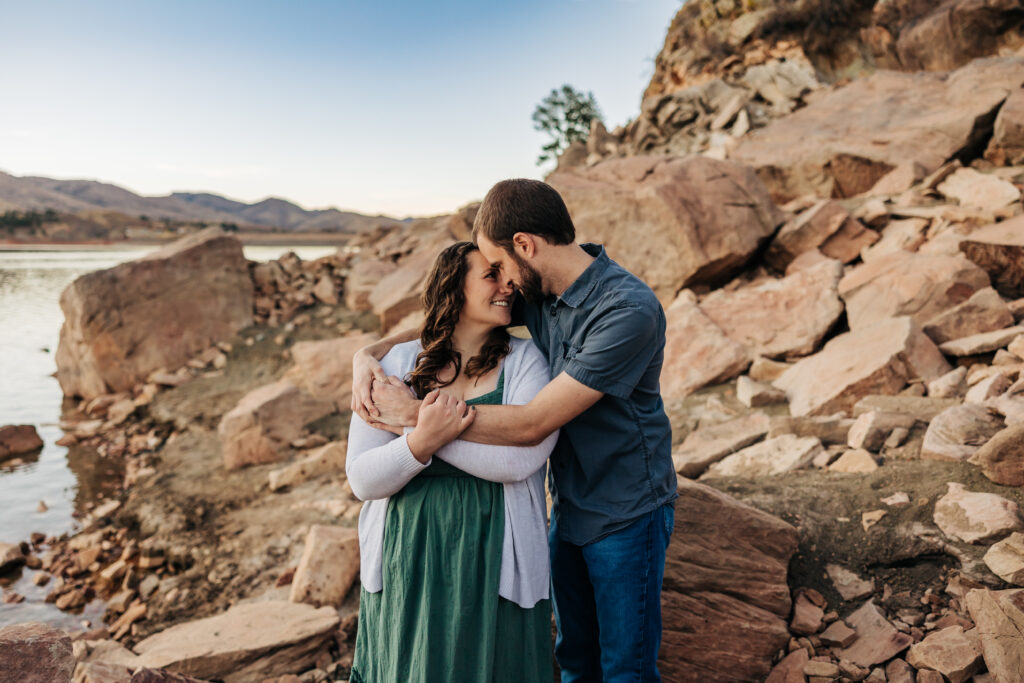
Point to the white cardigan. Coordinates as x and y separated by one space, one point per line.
379 464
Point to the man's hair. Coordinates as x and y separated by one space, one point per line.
523 205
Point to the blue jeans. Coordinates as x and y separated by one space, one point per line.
607 601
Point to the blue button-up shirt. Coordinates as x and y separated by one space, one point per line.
613 462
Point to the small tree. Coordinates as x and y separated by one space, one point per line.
565 115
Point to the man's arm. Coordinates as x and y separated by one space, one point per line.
366 368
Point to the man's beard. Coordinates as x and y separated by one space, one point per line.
530 284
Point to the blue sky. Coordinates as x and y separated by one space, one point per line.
405 108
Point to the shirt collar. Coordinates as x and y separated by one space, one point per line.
588 279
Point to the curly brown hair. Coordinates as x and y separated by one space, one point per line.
443 298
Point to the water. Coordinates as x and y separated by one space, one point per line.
65 479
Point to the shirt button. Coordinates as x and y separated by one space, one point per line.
553 311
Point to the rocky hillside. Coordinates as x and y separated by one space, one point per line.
88 196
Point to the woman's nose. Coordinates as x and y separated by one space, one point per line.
507 287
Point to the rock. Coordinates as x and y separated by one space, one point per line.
838 634
1001 458
158 311
697 351
766 370
145 675
846 140
999 616
856 460
981 343
18 440
827 227
329 458
921 408
324 368
329 566
725 597
956 433
916 284
790 669
985 311
980 190
952 384
950 652
975 517
248 642
876 359
827 671
898 180
1006 559
780 318
870 518
870 430
325 290
10 556
999 250
899 235
830 430
808 618
755 394
259 429
1007 143
708 445
35 653
848 584
898 499
990 387
702 219
361 280
398 293
774 456
877 640
898 671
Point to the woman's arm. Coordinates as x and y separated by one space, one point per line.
378 463
507 464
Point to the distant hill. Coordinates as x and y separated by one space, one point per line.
25 193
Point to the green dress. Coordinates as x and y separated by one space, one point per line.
439 616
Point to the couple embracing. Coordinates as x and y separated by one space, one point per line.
452 428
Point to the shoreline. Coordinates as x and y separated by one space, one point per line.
248 239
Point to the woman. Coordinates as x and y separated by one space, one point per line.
453 534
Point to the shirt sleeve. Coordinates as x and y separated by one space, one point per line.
617 349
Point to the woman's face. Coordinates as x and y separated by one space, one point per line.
488 301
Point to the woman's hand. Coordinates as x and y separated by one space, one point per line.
440 421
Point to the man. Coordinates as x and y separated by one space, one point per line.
611 476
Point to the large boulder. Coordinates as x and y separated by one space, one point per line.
943 35
999 250
248 642
361 280
843 142
707 445
725 600
398 293
777 455
697 351
1001 459
985 311
33 652
780 318
324 368
827 227
260 428
674 221
958 432
122 323
976 516
877 359
906 283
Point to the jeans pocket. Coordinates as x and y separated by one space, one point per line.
669 517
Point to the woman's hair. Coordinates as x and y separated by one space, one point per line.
443 298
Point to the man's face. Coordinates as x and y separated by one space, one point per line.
513 269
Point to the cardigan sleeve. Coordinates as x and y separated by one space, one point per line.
379 463
508 464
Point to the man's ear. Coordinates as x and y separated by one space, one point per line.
525 243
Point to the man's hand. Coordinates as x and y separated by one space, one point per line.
365 369
441 419
395 402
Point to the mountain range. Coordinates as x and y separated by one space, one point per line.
25 193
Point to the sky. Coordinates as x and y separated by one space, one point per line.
377 106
